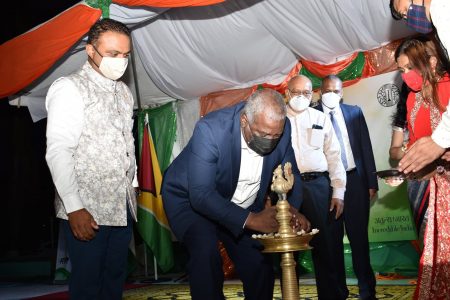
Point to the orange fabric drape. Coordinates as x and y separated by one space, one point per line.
323 70
382 60
221 99
26 57
377 61
167 3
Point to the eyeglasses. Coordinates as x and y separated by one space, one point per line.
305 93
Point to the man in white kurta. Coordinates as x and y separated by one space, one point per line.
318 156
90 154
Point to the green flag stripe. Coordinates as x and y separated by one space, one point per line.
154 216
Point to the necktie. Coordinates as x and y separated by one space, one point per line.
338 132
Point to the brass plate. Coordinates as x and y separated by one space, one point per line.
286 244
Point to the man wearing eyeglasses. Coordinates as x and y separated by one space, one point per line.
216 190
318 157
421 16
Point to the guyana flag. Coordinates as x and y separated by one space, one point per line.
152 221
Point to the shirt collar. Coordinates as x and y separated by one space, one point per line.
326 110
292 113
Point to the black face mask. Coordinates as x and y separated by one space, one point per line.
261 145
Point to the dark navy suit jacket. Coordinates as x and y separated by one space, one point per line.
359 137
203 178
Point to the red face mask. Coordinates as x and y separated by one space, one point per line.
413 80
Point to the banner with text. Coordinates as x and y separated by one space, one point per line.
390 214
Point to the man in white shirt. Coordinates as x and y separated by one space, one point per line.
90 154
357 157
318 156
420 15
216 190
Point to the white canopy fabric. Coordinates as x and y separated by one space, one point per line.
239 44
185 53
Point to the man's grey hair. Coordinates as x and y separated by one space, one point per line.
268 101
